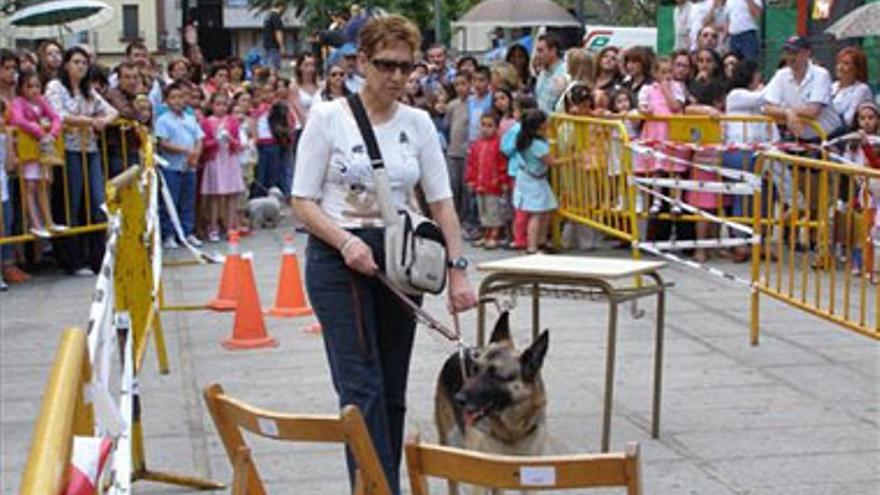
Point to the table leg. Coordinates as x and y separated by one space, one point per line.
658 361
536 310
609 375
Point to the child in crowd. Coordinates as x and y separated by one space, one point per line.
532 192
709 100
39 125
222 180
247 157
487 177
6 162
623 106
438 102
456 151
514 161
661 98
862 151
502 104
180 142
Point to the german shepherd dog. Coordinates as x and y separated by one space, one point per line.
498 404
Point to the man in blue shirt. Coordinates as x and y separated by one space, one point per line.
180 143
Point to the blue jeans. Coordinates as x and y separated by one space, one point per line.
271 161
368 338
182 187
116 164
746 45
76 252
272 57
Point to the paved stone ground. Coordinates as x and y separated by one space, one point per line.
796 415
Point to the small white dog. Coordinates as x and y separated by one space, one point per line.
266 212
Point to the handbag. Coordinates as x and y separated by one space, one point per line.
415 249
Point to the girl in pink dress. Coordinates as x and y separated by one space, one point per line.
661 98
34 117
222 180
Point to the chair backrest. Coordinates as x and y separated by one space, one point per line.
531 473
231 416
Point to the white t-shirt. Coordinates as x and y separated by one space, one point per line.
739 18
847 100
784 91
333 167
682 16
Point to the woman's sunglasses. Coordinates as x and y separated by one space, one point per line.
390 66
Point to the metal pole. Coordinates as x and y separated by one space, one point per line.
579 12
438 35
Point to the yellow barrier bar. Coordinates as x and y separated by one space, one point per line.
823 233
49 458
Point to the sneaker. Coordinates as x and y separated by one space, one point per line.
490 244
193 240
41 232
3 286
675 209
170 243
84 272
213 236
656 206
478 242
59 228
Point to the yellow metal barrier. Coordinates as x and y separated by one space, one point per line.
591 178
62 415
114 158
813 230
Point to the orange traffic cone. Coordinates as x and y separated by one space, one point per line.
249 331
290 300
227 295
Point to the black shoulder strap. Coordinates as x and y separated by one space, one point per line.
363 122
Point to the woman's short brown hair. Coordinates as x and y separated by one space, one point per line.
858 59
381 32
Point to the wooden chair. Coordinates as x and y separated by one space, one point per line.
531 473
231 415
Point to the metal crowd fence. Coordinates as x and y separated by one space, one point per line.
75 190
590 178
817 251
80 400
796 211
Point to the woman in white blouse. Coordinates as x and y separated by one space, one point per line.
368 332
851 88
84 114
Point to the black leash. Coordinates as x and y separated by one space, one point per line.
425 318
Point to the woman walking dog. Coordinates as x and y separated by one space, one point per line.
368 333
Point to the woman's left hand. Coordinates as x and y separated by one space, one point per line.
461 296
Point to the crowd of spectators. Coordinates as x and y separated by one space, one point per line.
228 130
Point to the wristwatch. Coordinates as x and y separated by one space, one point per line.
460 263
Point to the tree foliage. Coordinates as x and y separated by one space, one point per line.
316 13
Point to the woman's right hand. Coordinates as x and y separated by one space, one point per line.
359 257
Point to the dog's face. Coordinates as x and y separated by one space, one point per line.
500 377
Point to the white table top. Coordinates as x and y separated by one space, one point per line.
571 266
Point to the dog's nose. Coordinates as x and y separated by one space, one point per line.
460 398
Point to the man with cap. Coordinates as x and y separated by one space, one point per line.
801 90
348 54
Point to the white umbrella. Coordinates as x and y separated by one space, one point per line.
863 21
50 19
517 13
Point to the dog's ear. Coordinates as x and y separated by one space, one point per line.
532 358
501 333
